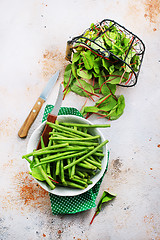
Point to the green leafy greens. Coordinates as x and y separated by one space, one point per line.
92 75
106 197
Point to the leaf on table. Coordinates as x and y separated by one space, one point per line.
110 104
106 197
117 111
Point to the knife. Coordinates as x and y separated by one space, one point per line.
37 106
51 118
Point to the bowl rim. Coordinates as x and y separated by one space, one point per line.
64 191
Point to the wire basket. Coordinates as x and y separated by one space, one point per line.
135 47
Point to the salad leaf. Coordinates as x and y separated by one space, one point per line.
76 57
82 88
106 197
117 110
84 73
88 59
117 77
105 71
96 65
74 69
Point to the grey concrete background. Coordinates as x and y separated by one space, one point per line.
33 36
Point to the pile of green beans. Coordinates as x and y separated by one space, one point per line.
73 156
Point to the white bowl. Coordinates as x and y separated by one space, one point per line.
65 191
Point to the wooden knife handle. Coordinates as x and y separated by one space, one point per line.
31 117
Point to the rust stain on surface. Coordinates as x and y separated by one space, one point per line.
152 10
152 226
52 61
144 14
9 164
25 193
7 126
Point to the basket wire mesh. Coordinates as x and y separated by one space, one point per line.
135 47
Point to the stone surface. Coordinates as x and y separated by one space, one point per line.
33 39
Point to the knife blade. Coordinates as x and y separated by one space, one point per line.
51 118
37 106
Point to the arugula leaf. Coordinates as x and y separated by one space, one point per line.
106 197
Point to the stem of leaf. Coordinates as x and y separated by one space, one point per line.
104 99
93 218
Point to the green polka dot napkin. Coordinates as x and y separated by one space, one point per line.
72 204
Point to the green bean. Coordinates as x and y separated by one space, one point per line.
79 143
98 165
75 139
45 167
80 181
86 171
82 175
69 169
68 129
46 148
62 157
42 143
62 174
58 168
74 185
27 159
73 168
66 149
57 155
64 134
83 179
99 154
87 166
86 155
85 125
89 181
